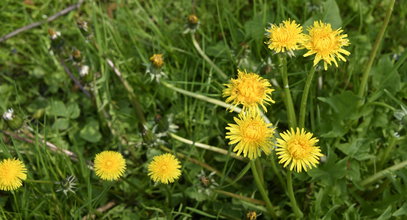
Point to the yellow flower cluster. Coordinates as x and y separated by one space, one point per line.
252 135
327 44
110 165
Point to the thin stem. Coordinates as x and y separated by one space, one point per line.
373 54
202 97
383 173
304 98
210 100
261 189
206 58
169 197
259 168
240 197
206 147
277 171
292 121
291 195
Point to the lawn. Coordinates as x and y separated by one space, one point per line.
245 109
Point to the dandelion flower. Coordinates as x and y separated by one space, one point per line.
12 172
326 44
298 148
250 90
287 36
109 165
252 135
157 60
164 168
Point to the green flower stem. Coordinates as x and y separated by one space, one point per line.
277 171
304 98
240 197
373 54
202 97
206 58
169 197
210 100
291 195
207 147
383 173
259 168
292 121
261 189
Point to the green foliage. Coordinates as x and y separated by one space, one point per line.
359 136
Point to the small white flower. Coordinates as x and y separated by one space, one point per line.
8 115
84 70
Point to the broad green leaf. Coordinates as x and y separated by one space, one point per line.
344 105
383 78
61 124
58 108
254 28
329 172
356 148
73 110
91 132
332 15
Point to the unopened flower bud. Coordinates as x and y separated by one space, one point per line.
76 55
193 19
157 60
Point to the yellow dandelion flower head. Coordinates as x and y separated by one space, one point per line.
326 44
12 172
298 148
164 168
157 60
250 90
251 134
109 165
287 36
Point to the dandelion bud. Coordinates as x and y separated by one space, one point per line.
251 215
192 24
76 55
157 60
193 19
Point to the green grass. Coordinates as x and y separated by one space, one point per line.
359 141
